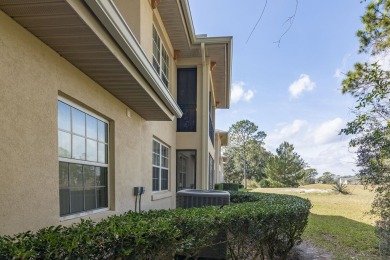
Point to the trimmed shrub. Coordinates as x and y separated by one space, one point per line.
265 183
268 183
218 186
257 226
227 186
280 222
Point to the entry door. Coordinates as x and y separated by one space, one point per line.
185 169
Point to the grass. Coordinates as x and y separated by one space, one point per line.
338 223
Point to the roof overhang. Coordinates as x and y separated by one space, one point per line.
177 19
103 48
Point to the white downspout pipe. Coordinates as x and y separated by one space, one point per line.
205 120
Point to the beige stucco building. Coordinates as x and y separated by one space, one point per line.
221 139
98 97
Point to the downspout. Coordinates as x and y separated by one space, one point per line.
204 117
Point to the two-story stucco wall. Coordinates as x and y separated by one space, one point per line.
141 18
193 140
32 78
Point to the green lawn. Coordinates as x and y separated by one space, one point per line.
338 223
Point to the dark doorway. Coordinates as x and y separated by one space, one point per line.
185 169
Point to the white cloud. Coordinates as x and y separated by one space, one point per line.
239 93
339 74
300 85
292 129
248 95
318 144
336 157
328 131
382 59
286 132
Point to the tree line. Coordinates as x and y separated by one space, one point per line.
247 159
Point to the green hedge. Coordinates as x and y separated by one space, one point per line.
227 186
257 225
268 183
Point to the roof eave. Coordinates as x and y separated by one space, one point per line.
228 40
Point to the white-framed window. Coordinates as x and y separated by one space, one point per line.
160 167
160 58
83 159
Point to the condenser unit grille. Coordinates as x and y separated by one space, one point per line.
200 198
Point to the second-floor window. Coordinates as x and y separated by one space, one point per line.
160 58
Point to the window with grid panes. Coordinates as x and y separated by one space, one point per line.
83 160
160 58
160 167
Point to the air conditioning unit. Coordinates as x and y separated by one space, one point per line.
200 198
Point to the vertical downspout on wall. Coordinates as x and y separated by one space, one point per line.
205 120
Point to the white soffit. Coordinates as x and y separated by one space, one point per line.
60 27
177 20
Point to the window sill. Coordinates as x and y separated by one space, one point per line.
83 214
161 195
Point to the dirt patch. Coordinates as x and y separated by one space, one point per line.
307 251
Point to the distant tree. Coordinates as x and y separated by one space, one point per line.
245 150
232 173
257 157
286 167
309 176
327 178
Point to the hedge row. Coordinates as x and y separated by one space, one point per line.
228 186
257 225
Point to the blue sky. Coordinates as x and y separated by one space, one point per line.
291 91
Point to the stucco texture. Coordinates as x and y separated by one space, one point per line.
32 77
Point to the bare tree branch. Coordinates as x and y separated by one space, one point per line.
289 20
258 20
